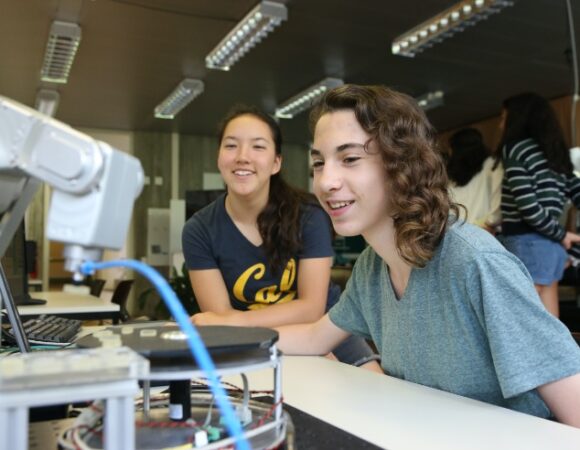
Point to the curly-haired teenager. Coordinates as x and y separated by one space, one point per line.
261 254
538 181
446 304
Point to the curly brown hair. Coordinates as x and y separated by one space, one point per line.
419 200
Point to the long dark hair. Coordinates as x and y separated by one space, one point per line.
419 200
528 115
468 153
279 222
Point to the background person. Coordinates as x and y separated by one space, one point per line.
475 178
538 181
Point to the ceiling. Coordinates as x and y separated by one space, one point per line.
134 52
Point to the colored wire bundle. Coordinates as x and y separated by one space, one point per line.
194 341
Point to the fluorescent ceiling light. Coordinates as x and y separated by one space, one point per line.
430 100
248 32
61 48
47 101
305 99
445 24
181 96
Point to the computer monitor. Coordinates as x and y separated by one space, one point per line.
15 264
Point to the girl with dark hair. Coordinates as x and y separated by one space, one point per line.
445 303
474 181
261 254
538 181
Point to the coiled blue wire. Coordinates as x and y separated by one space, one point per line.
194 341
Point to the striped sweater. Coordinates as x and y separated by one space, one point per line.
533 195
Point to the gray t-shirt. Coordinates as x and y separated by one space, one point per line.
470 323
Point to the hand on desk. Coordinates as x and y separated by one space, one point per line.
211 318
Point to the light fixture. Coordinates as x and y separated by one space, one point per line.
181 96
430 100
248 32
47 101
305 99
61 48
445 24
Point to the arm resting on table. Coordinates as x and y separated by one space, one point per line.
563 399
318 338
213 299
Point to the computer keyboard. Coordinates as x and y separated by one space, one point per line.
50 330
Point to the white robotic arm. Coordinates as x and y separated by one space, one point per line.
94 185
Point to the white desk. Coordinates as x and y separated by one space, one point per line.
399 415
71 305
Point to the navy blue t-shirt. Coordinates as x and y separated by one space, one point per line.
211 240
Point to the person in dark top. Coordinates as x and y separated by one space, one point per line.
538 181
261 254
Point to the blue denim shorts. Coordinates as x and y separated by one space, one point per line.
545 259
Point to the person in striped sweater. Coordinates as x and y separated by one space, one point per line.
538 180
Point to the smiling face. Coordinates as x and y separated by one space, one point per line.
247 157
349 178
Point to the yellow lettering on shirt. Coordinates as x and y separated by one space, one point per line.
270 294
257 271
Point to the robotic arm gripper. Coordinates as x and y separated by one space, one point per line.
94 185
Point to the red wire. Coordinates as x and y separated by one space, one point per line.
151 424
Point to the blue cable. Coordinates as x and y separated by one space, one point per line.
194 341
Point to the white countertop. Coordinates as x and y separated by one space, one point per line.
58 302
400 415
